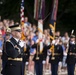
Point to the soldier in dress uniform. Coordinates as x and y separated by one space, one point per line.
71 56
14 52
56 56
26 54
38 58
46 52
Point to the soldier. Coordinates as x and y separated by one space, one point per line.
46 52
38 58
56 56
71 56
14 52
25 57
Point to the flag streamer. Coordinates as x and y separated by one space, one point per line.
39 9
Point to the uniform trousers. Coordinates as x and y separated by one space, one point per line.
13 68
39 67
23 68
54 69
70 69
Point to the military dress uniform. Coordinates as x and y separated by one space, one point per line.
54 60
71 58
14 63
38 58
26 55
45 49
14 54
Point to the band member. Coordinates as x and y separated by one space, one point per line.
14 52
56 56
71 56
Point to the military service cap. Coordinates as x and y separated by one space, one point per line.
15 28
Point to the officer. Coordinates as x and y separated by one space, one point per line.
71 56
56 56
14 52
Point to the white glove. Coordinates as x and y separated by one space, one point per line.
65 53
43 61
53 42
22 43
26 63
37 40
60 63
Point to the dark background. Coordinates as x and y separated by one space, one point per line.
66 17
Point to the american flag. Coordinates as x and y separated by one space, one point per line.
22 12
22 19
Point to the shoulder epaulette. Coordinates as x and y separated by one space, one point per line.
10 42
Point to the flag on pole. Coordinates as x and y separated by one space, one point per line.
39 9
22 19
53 23
41 13
53 19
40 34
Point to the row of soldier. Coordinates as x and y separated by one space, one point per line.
14 58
